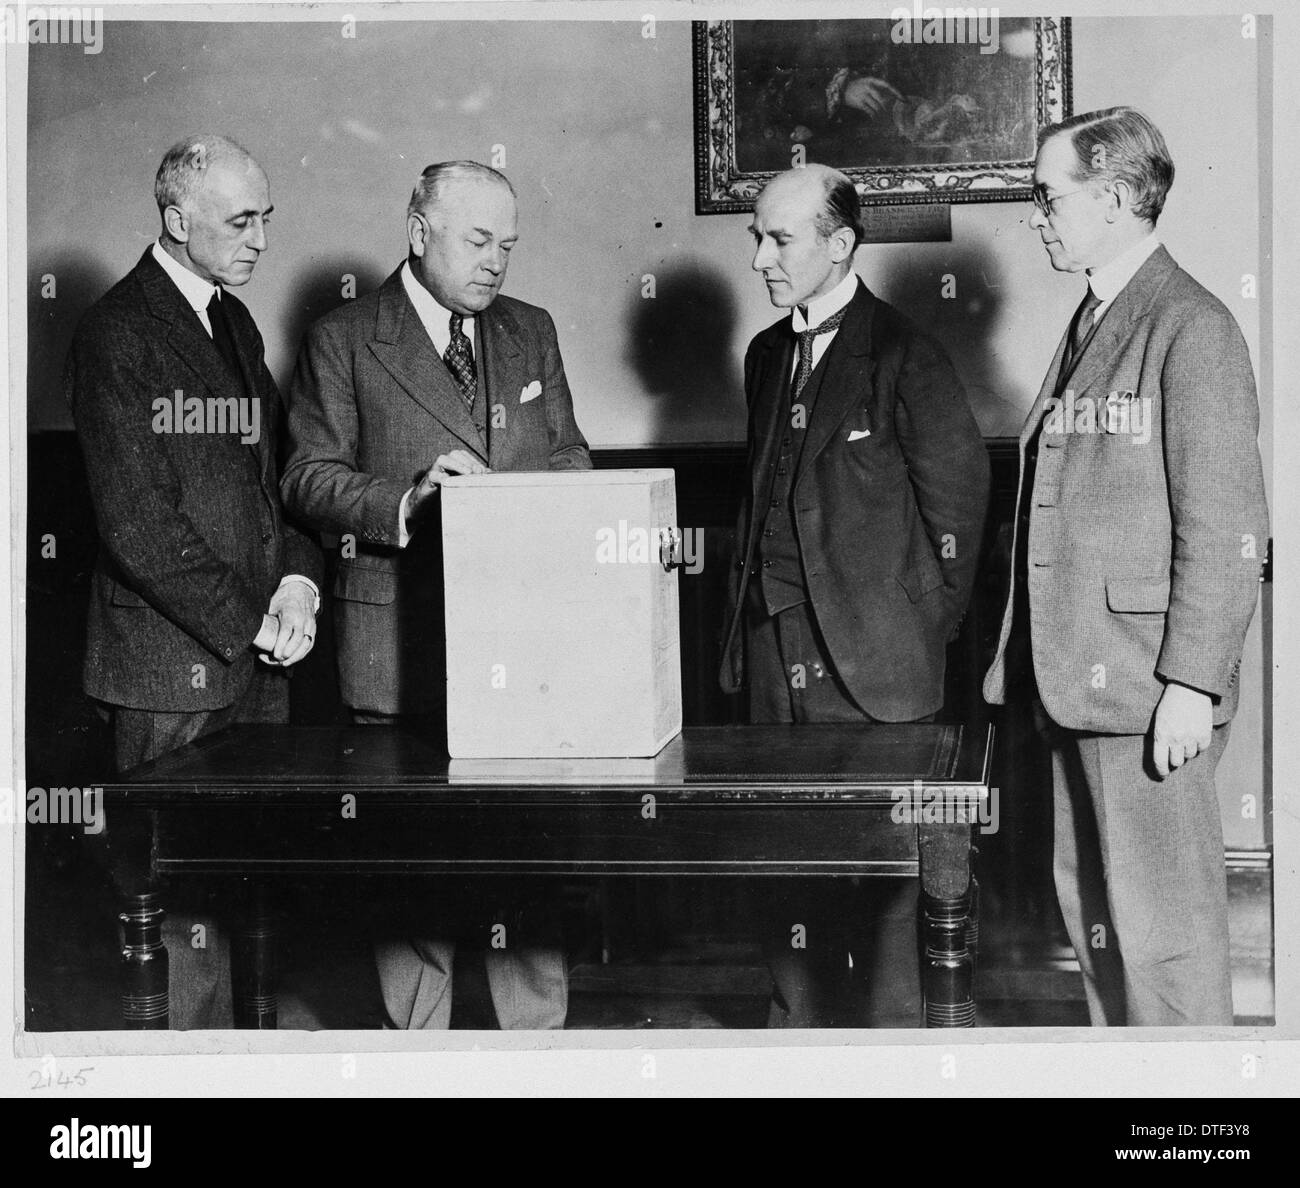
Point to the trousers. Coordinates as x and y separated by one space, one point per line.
529 983
840 954
1141 881
195 928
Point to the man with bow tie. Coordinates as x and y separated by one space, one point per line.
433 374
1135 575
203 596
857 545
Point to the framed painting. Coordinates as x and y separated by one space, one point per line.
938 110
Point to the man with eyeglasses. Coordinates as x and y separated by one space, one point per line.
1140 527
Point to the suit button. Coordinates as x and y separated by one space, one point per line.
785 441
767 564
773 503
818 671
780 470
266 538
769 531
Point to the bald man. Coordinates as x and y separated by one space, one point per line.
857 545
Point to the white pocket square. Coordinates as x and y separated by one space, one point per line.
532 392
858 434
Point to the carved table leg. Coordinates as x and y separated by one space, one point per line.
252 963
144 965
947 965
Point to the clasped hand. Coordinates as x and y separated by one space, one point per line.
289 626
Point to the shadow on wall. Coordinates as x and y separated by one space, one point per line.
319 288
324 285
679 342
963 322
60 288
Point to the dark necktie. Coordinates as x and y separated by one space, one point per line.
221 336
1080 328
806 348
460 361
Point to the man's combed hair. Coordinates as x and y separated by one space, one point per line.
429 188
1120 144
185 164
842 208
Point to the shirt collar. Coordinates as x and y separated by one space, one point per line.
434 316
196 291
821 308
1109 280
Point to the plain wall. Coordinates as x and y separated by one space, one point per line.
596 125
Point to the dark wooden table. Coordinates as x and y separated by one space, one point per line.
268 802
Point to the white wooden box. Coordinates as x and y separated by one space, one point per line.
562 620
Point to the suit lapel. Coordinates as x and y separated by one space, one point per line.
846 381
403 347
771 386
240 322
500 353
1051 382
185 333
200 356
771 379
1098 350
1116 324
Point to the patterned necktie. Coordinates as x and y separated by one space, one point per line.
460 361
221 336
1080 328
806 348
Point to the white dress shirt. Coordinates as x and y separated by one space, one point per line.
819 309
1108 281
435 318
198 293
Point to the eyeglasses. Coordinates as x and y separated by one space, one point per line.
1044 202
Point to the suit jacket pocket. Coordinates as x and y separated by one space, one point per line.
357 583
1149 596
920 579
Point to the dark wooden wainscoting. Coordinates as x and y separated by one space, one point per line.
662 936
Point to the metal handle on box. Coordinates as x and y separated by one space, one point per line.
670 548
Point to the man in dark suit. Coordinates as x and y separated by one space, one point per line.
433 374
1140 529
202 596
858 540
